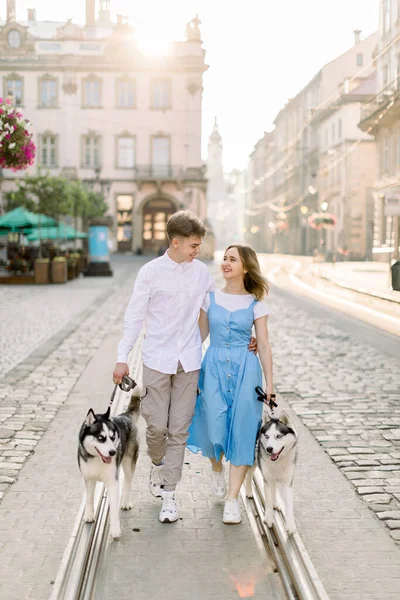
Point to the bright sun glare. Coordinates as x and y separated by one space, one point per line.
152 46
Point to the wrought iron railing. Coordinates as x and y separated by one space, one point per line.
381 100
168 172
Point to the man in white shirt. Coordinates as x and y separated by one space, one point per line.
168 294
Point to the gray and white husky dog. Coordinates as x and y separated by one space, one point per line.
106 443
275 455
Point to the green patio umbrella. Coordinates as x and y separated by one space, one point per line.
59 232
21 218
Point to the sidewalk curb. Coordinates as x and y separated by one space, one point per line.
354 289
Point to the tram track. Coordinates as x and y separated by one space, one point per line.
79 570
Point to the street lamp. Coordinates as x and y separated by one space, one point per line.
324 206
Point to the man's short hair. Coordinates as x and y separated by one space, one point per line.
185 224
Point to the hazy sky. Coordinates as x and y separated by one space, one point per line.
260 52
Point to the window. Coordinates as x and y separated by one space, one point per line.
126 93
160 155
48 92
125 152
360 60
385 155
91 93
333 132
124 222
14 38
48 150
385 75
13 89
398 148
91 151
339 129
386 15
161 94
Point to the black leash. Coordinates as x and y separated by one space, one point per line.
127 384
262 397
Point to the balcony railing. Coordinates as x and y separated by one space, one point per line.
381 100
168 173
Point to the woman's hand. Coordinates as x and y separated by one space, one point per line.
252 347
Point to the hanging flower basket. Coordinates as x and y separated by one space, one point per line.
281 225
17 150
321 220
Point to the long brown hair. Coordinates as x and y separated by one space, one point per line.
253 280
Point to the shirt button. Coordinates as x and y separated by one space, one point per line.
227 360
227 344
229 374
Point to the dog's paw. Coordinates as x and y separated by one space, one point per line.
291 528
115 532
249 490
126 504
88 517
269 518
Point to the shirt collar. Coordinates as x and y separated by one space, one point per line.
173 264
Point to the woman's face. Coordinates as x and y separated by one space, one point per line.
232 265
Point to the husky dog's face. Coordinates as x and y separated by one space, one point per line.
101 436
277 437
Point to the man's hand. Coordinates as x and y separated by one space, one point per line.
120 370
253 345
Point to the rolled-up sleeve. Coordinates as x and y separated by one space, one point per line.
134 315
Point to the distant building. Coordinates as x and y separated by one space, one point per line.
318 156
381 118
106 114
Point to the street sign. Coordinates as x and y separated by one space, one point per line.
392 205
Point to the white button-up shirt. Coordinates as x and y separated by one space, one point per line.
167 297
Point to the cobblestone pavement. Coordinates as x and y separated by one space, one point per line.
32 314
330 373
32 393
348 395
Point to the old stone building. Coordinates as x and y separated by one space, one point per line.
109 115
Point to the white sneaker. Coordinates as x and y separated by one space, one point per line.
232 512
155 481
218 485
169 509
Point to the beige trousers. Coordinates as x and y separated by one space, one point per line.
168 406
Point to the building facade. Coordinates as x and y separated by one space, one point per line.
381 118
259 217
106 114
296 173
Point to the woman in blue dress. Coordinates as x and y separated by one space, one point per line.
228 414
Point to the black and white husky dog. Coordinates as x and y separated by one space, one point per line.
106 443
275 455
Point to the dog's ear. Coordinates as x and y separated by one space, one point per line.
106 415
266 417
285 419
90 418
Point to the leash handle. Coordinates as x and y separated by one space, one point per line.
262 397
126 385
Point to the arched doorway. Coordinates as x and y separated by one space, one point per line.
155 216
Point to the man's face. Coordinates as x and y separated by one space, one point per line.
187 248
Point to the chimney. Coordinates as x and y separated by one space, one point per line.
356 36
90 13
31 14
11 12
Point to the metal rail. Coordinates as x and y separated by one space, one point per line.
298 574
76 577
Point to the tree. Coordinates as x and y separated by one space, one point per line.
56 196
41 193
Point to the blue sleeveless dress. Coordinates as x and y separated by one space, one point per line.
228 415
